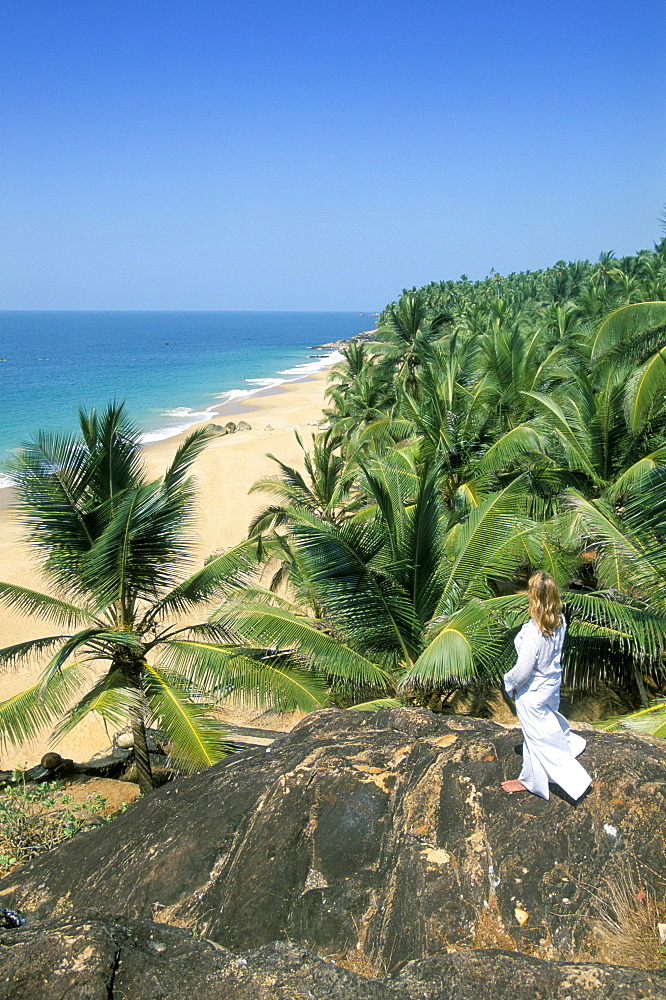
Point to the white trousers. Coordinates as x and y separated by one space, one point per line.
549 748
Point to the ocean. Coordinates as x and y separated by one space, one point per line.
172 368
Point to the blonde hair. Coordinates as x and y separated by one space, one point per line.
544 602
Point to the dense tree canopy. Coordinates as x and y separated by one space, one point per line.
490 428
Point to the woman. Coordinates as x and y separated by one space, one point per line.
549 748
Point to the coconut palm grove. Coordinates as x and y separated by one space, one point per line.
484 429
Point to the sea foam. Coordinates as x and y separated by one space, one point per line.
315 366
236 395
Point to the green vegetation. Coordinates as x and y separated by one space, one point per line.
114 547
34 819
490 428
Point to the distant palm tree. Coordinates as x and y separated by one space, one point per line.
405 330
114 546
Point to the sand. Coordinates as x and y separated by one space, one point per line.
224 472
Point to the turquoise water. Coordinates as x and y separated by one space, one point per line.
171 367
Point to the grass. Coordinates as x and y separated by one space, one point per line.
36 818
626 927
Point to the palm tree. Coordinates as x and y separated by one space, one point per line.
396 597
368 397
629 548
406 329
323 490
404 598
114 547
611 417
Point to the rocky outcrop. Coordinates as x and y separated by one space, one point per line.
219 430
384 836
367 336
111 960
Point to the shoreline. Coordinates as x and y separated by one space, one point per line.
239 398
225 471
237 407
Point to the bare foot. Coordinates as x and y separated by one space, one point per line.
513 786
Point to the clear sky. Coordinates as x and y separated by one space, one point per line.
284 154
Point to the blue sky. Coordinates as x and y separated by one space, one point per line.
218 154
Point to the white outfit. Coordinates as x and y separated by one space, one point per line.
549 748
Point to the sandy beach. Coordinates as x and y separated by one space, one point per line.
224 472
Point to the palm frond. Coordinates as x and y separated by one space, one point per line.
186 454
95 643
625 323
361 600
141 547
523 440
220 574
112 698
278 629
383 433
198 741
636 474
624 562
259 676
31 602
464 644
572 441
51 476
26 714
644 392
650 720
479 548
421 547
19 652
114 455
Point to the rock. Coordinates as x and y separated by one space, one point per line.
336 345
75 962
60 768
101 958
382 835
51 760
124 741
107 765
268 427
230 428
243 425
11 918
496 975
216 429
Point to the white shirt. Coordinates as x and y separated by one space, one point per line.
538 655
